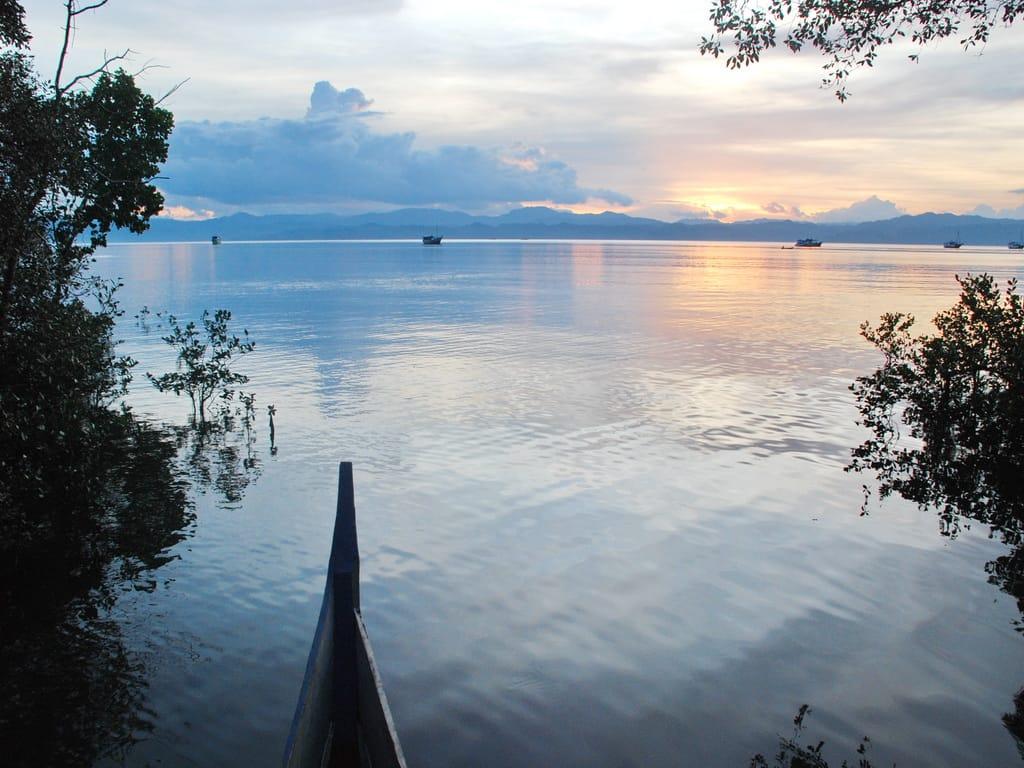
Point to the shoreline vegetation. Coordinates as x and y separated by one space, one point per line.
93 499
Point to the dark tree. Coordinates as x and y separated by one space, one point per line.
77 158
849 34
92 500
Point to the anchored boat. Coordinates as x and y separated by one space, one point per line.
432 239
342 719
808 242
215 239
954 243
1017 245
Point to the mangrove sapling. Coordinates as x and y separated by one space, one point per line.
794 752
204 361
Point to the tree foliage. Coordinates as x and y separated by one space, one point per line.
92 500
76 161
849 34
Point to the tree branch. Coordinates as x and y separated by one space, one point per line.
92 7
70 6
148 66
171 92
69 25
108 60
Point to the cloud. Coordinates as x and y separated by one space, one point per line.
871 209
788 211
184 213
683 210
334 156
328 100
1003 213
1017 191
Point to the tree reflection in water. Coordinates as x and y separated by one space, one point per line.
74 691
946 417
220 455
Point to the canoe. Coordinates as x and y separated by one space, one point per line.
342 718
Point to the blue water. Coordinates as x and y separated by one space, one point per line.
601 500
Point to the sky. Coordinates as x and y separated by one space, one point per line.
369 105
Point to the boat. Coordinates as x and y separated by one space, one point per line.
432 239
215 239
1017 245
954 243
342 717
808 242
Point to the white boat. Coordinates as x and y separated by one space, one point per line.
808 242
1017 245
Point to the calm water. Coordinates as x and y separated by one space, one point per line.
602 508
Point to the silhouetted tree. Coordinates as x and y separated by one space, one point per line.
78 156
849 33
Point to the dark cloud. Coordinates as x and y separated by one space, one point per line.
334 156
1017 191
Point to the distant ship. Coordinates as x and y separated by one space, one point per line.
432 239
808 242
954 243
215 239
1017 245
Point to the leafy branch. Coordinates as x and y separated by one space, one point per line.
848 33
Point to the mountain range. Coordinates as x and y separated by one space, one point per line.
549 223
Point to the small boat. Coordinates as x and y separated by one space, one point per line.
1017 245
215 239
954 243
432 239
808 242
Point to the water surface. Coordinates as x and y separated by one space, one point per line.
601 500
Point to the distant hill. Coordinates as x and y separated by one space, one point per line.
549 223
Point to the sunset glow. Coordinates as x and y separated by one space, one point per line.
614 102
